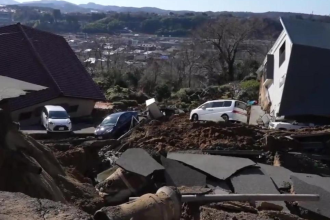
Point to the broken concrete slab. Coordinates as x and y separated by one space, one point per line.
217 166
21 206
307 184
253 181
138 161
280 175
177 174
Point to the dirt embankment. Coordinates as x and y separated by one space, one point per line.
178 133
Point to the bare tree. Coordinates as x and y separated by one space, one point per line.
228 36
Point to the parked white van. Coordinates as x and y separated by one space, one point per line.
55 119
220 110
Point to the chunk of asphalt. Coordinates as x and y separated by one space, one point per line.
137 160
218 186
220 167
280 175
253 181
313 184
177 174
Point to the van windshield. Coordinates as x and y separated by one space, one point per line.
58 115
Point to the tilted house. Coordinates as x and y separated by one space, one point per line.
45 59
295 76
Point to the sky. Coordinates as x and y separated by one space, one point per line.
321 7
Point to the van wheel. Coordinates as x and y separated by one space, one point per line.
194 117
225 117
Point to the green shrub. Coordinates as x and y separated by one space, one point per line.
130 103
250 85
163 91
120 105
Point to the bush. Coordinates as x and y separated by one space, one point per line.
117 93
250 85
251 90
163 91
119 105
130 103
187 94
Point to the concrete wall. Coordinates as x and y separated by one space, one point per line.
85 108
274 89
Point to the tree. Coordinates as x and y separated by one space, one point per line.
57 14
229 37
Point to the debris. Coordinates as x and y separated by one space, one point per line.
252 180
179 133
217 166
138 161
177 174
153 109
20 206
193 190
165 204
280 175
120 185
218 186
313 184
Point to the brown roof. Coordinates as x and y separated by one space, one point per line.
45 59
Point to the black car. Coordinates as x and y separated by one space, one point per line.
115 125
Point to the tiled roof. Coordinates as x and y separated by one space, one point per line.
45 59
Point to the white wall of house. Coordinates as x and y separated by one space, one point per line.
275 88
85 108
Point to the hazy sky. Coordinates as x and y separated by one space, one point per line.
304 6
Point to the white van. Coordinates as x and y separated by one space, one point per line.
220 110
55 119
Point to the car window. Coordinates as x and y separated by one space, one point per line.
241 105
58 115
227 104
110 121
206 105
123 118
217 104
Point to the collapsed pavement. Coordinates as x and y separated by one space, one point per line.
71 167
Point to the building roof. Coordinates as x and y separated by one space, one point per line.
307 33
44 59
13 88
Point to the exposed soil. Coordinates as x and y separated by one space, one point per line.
178 133
20 206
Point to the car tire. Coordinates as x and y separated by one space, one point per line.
194 117
225 117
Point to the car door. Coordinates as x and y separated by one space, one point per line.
122 124
215 111
240 112
43 117
203 111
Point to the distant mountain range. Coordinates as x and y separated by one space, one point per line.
68 7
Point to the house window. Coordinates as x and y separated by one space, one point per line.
24 116
282 54
282 81
73 108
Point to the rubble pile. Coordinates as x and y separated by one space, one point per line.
31 168
178 133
